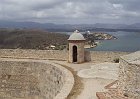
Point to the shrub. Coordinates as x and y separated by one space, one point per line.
116 60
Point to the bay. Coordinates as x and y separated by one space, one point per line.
127 42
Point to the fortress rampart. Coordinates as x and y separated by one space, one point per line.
33 79
129 75
100 56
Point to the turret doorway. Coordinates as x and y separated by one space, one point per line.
74 53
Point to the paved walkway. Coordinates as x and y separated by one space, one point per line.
104 70
94 77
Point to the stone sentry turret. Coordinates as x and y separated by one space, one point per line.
76 47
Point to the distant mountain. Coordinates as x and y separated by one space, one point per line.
70 27
133 26
109 26
11 24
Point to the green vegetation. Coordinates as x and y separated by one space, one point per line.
39 39
31 39
116 60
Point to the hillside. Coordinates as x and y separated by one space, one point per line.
99 36
31 39
39 39
91 37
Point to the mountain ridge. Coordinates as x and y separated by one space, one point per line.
68 27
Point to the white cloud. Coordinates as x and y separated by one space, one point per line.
70 11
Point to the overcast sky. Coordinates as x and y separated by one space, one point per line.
71 11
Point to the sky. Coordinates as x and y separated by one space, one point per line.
71 11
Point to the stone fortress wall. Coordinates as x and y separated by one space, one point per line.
39 71
101 56
33 79
33 54
129 75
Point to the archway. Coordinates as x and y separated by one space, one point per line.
74 53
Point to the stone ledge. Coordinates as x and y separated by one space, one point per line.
131 58
109 86
33 54
112 93
68 85
100 95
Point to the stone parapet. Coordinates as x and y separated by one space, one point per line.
34 54
101 56
33 79
129 75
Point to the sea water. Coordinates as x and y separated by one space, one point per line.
127 41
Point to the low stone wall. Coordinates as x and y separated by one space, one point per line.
34 54
105 56
95 56
129 75
33 79
87 56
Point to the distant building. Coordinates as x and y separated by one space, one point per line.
52 47
89 32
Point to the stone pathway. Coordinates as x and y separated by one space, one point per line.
104 70
93 76
91 86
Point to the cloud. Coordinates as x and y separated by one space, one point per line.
71 11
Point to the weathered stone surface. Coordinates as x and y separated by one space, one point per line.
34 54
129 75
101 56
80 52
27 79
